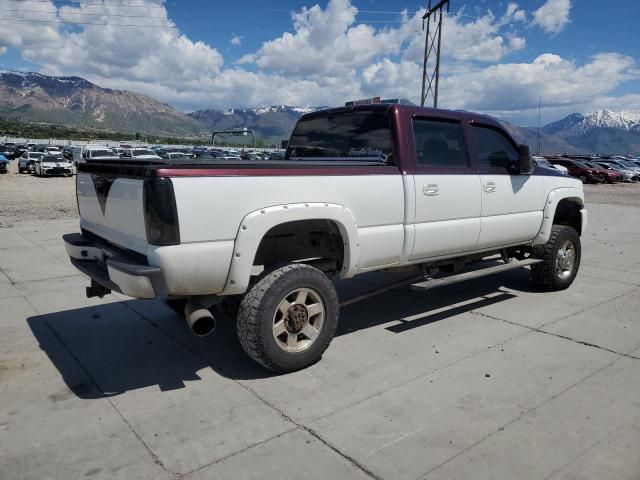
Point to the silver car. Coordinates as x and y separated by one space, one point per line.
627 175
27 160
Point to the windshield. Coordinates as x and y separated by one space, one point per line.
139 153
358 137
102 153
54 160
580 164
629 164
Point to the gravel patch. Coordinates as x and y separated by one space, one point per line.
26 197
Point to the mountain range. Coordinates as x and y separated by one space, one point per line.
76 102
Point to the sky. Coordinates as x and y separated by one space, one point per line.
499 57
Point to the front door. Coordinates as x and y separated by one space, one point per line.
512 204
447 190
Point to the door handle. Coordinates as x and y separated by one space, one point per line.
490 187
431 189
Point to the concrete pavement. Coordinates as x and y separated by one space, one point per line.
485 380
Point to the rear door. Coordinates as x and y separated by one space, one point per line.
447 189
512 204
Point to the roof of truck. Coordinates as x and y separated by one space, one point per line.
411 110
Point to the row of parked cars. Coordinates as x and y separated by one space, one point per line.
49 160
595 169
99 152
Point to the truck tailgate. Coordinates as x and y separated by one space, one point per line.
113 208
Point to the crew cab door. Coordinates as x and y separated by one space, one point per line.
447 189
512 204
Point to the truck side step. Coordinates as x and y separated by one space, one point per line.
419 284
483 272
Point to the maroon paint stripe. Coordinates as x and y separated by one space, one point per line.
278 172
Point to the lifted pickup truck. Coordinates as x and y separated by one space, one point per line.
365 188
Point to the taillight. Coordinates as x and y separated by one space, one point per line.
160 213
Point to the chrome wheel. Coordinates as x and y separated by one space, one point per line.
565 260
298 320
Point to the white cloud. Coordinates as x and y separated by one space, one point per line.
328 58
553 16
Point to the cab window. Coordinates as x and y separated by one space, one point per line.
495 150
439 144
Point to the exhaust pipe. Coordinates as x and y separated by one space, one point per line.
200 320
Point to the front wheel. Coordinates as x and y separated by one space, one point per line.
288 318
560 259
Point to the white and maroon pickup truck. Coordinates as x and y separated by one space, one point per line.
361 189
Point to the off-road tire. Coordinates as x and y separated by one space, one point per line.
259 305
544 275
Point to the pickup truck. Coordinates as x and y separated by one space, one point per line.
361 189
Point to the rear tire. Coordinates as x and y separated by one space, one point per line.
288 318
561 259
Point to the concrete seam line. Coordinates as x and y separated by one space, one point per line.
557 335
238 452
264 401
153 456
522 415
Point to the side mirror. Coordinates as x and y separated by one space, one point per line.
525 160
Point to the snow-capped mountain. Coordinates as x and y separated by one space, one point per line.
273 123
602 131
76 102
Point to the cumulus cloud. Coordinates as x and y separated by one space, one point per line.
327 58
553 16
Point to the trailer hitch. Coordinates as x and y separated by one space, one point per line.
97 290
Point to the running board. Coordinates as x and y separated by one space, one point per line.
419 284
483 272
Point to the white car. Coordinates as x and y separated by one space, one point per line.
364 189
139 154
50 165
27 160
543 162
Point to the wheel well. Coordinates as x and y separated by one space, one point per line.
568 214
316 242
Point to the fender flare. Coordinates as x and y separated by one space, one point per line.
553 200
256 224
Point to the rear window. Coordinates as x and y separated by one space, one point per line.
353 137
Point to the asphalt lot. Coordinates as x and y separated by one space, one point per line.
485 380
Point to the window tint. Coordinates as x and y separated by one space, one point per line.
354 137
439 144
494 148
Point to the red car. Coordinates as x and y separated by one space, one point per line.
611 176
579 170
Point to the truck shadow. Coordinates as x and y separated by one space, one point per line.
110 349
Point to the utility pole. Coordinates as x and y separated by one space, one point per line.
432 46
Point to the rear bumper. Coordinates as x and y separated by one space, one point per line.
115 269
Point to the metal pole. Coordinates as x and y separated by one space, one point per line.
423 97
435 96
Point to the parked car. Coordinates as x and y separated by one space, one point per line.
139 154
176 156
27 160
611 176
544 163
97 153
399 189
579 170
4 164
50 165
627 175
